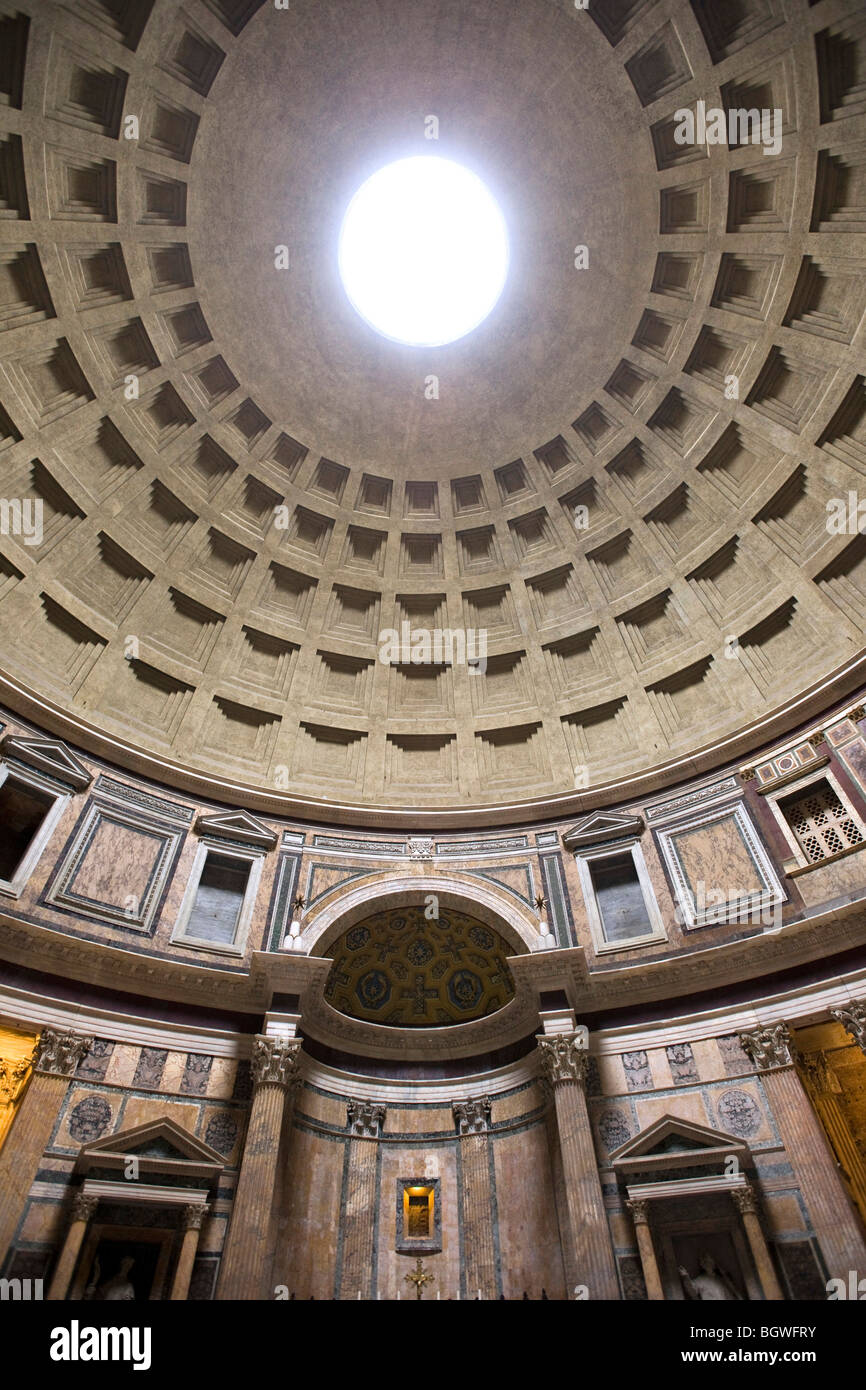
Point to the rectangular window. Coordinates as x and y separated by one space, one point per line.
822 825
621 908
23 810
219 899
619 896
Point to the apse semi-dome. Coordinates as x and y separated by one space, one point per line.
409 967
252 504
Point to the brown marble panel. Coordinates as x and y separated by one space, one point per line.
528 1230
716 855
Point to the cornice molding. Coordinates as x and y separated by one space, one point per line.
841 685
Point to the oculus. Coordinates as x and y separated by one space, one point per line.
423 251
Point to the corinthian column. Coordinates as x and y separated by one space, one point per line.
365 1125
55 1059
564 1059
824 1088
472 1118
83 1207
746 1202
833 1218
191 1221
245 1267
640 1215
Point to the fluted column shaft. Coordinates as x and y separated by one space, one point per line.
746 1203
833 1218
83 1208
646 1250
55 1059
472 1118
192 1218
819 1079
563 1217
565 1063
356 1275
244 1266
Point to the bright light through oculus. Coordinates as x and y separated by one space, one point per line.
423 251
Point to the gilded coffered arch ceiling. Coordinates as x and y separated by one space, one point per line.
405 969
164 609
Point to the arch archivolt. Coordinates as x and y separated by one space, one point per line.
349 903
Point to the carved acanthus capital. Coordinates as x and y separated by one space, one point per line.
420 847
472 1116
365 1119
84 1205
192 1216
58 1054
639 1208
745 1199
769 1047
564 1057
13 1074
275 1060
853 1020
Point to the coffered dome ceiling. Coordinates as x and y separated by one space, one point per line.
693 397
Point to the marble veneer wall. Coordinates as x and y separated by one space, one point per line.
690 1066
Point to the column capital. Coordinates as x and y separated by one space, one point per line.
13 1074
275 1060
58 1054
84 1205
639 1208
365 1120
853 1020
192 1216
770 1047
564 1057
745 1199
472 1116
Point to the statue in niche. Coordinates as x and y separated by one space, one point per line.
711 1285
117 1289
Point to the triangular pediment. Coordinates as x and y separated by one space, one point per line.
237 825
48 755
156 1144
599 827
675 1137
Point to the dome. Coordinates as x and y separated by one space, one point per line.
581 549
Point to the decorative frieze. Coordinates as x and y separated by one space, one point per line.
678 805
275 1060
769 1047
58 1054
472 1116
